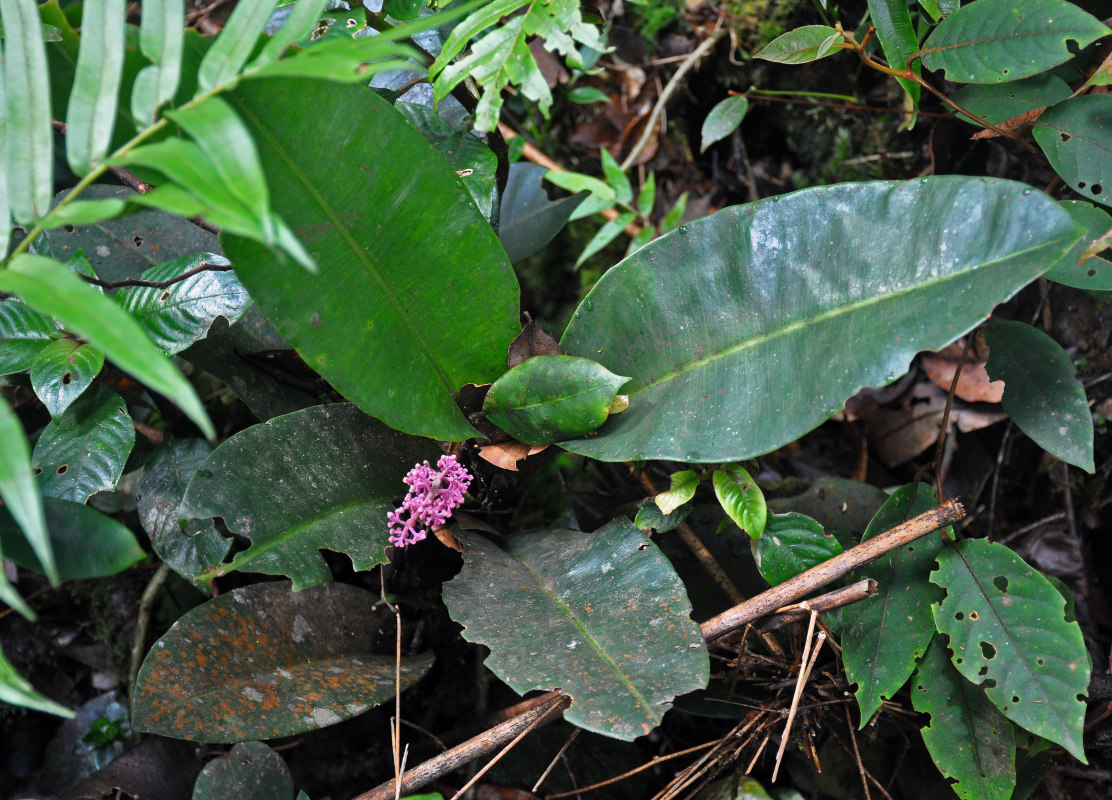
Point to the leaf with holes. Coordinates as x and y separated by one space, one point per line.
189 547
86 543
884 635
723 347
999 102
741 498
968 738
180 314
24 333
262 661
835 503
993 41
1009 635
62 371
602 615
792 543
320 479
1074 136
1093 274
1041 392
84 451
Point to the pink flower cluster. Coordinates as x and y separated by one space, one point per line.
433 494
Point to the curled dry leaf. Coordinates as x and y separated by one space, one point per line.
532 341
506 454
974 385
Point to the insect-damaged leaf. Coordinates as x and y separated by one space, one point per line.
601 615
263 661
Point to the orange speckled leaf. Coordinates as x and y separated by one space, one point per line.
263 662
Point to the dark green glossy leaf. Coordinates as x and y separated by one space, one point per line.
835 503
411 304
792 543
181 314
15 689
20 497
91 114
161 40
1074 136
681 489
968 738
319 479
403 9
1094 274
29 139
650 518
529 219
999 102
1041 393
263 662
86 543
601 615
24 332
249 771
62 371
190 547
474 163
51 288
723 348
896 33
992 41
1009 635
546 399
741 498
723 120
84 451
233 46
884 635
809 43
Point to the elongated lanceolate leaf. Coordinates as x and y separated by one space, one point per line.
747 328
792 543
548 398
529 219
50 288
234 45
968 738
5 204
91 114
992 41
723 120
161 38
29 139
298 26
1008 634
84 451
21 499
15 689
24 333
884 635
601 615
415 297
180 314
319 479
263 662
1041 393
809 43
1074 135
897 38
62 371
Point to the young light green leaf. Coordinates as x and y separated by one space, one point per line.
723 119
161 37
741 498
297 27
809 43
1041 392
646 198
29 139
615 177
48 287
605 235
15 689
234 45
62 371
84 212
1094 273
21 495
674 216
892 19
578 182
1074 136
682 489
1009 635
993 41
91 114
646 235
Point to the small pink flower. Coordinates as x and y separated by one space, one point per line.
433 494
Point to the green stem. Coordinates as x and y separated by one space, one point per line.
826 95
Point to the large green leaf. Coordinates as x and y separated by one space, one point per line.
1009 634
190 547
91 114
548 398
86 543
1042 395
884 635
601 615
1074 135
262 661
999 102
896 32
993 41
50 288
319 479
62 371
529 219
24 333
968 738
747 328
180 314
1093 274
415 296
792 543
84 451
